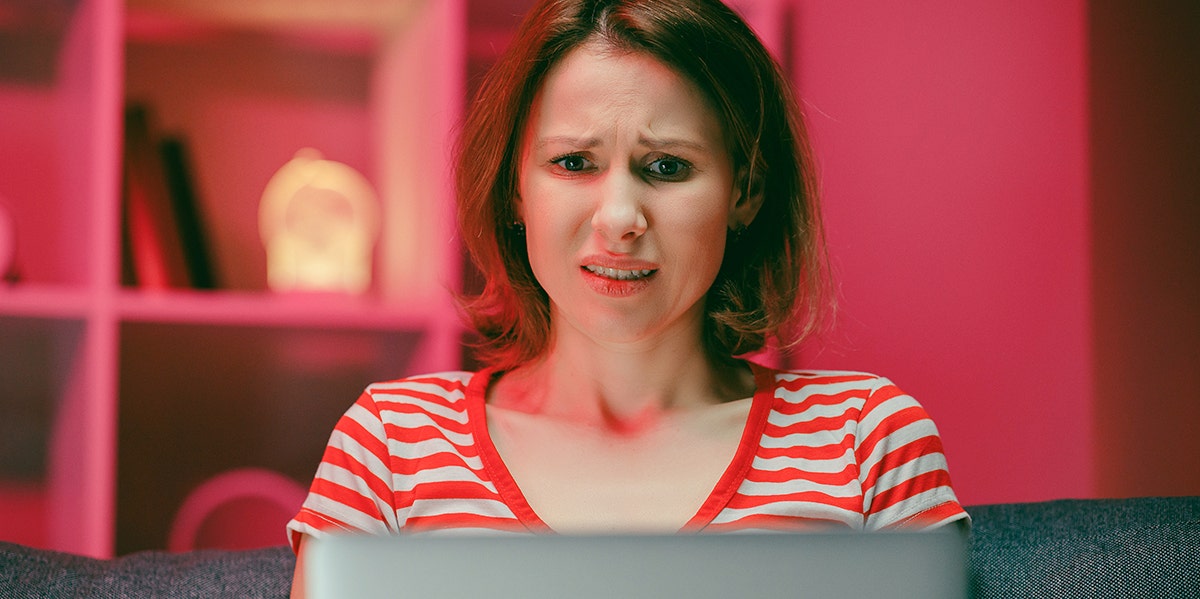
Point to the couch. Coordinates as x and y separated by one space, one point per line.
1142 547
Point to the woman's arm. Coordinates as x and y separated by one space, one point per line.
298 577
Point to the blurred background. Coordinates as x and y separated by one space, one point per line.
1011 190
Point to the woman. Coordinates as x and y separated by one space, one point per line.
635 186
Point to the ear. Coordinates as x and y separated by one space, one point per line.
518 208
746 199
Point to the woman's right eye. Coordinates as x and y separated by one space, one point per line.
572 163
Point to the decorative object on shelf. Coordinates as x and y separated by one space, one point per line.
8 246
242 508
319 220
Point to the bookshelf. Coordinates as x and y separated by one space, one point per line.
119 400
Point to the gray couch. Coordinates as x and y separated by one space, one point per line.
1144 547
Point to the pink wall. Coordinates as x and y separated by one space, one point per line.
952 140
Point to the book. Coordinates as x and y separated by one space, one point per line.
188 216
164 243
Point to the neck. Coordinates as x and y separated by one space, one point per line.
622 388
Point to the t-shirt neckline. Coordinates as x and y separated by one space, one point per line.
731 479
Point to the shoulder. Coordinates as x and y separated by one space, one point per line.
429 391
867 398
449 382
798 385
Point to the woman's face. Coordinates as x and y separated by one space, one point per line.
626 191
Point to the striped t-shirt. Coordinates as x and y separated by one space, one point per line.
820 448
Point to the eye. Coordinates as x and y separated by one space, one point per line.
572 163
669 168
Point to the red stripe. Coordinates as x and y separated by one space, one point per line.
851 400
392 407
810 379
337 457
360 435
438 460
831 451
900 456
823 424
913 486
314 520
847 474
427 433
347 497
466 490
895 422
932 516
745 502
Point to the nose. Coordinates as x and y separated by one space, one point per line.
619 216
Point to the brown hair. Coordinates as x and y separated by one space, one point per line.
773 281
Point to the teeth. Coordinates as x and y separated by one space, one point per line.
618 274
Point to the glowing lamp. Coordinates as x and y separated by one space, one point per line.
319 220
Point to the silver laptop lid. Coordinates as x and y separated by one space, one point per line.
928 565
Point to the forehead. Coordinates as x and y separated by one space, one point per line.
596 85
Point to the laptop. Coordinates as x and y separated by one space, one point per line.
928 565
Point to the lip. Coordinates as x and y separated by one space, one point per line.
617 287
617 262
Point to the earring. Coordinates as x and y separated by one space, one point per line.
518 228
736 232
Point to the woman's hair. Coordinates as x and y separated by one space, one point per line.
773 282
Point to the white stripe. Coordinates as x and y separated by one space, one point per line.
354 449
441 507
908 507
403 483
829 466
905 472
898 438
447 412
886 410
340 476
430 447
812 413
366 419
861 386
356 520
767 489
458 377
415 421
813 439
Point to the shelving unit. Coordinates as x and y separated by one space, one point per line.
123 396
118 401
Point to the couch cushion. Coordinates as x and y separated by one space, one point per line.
1141 547
37 573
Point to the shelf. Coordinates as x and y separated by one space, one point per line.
43 301
292 310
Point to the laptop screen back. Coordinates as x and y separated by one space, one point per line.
928 565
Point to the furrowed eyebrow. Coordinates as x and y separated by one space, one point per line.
671 143
585 143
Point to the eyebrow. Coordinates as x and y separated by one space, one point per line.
586 143
669 143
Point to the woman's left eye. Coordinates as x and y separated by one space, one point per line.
668 168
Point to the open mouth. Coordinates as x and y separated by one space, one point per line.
617 274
